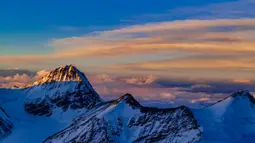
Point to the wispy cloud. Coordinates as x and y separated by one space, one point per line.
244 81
204 99
204 36
245 61
141 80
206 66
215 44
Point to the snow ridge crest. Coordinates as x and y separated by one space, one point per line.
129 99
244 94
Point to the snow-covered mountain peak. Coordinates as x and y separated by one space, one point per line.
241 93
244 94
62 74
129 99
236 97
65 87
229 120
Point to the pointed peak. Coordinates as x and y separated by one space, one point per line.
62 74
127 95
242 93
129 99
66 68
238 95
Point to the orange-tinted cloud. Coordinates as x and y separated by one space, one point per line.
204 99
237 66
40 74
167 95
187 36
17 80
141 81
101 78
245 81
215 44
247 61
20 79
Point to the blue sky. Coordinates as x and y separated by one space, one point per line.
27 25
173 51
38 16
135 37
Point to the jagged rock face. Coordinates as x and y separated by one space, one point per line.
64 88
61 74
168 125
5 124
125 120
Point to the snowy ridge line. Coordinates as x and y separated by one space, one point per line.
88 113
4 112
238 93
125 120
231 120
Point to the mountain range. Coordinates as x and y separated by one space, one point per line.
63 107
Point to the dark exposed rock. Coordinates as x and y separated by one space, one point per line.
6 125
74 100
42 108
144 125
64 88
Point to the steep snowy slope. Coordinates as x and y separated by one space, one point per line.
231 120
125 120
27 128
59 96
62 89
5 124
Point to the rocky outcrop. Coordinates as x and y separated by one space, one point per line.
64 88
5 124
125 120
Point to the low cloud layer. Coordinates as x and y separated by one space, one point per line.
168 92
14 71
150 89
19 79
140 81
